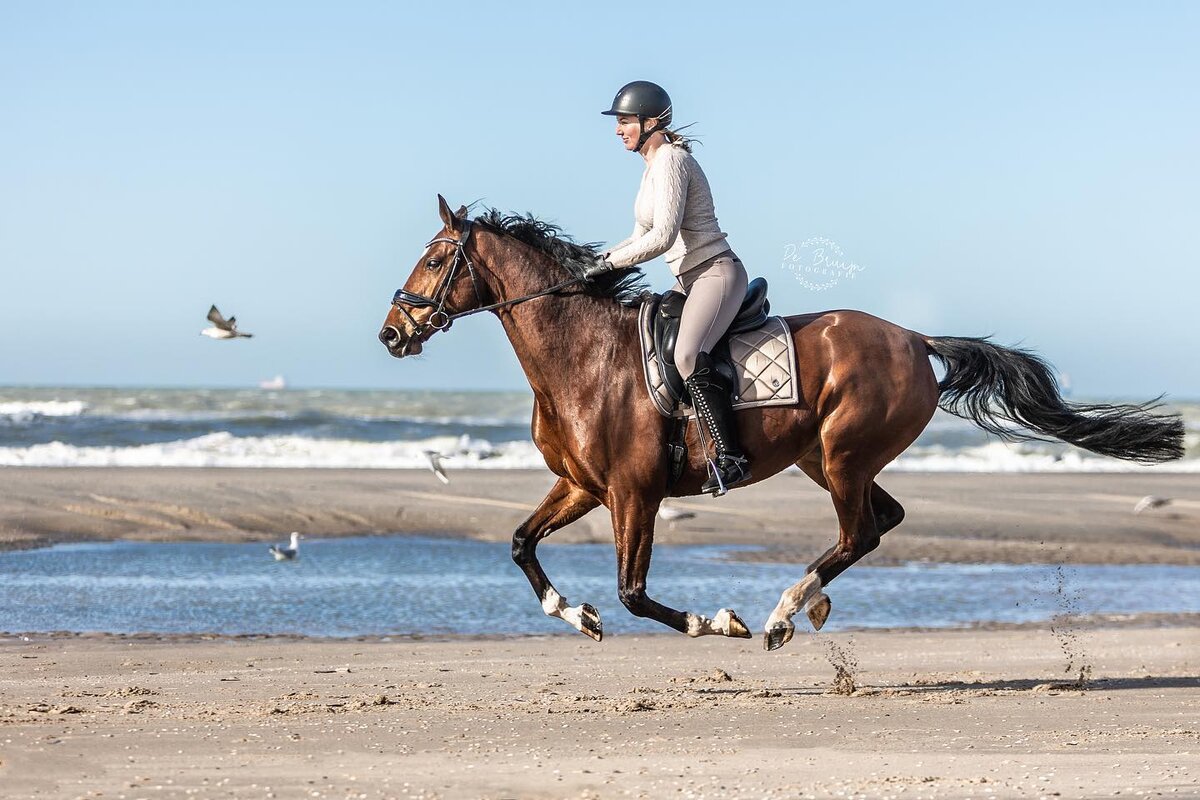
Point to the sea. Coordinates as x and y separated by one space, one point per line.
392 429
406 585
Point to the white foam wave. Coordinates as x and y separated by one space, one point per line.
22 412
1003 457
226 450
289 451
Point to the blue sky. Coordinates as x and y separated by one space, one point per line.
1027 170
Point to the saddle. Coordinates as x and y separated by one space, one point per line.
756 355
752 314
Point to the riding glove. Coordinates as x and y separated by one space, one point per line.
601 266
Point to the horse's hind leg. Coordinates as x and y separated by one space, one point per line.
852 490
633 528
565 503
886 510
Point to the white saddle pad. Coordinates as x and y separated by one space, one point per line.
764 361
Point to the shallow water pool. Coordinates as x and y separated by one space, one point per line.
410 585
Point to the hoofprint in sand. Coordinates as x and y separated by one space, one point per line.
922 714
952 713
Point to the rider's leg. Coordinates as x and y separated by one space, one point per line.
714 295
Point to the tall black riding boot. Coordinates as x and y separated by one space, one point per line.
711 399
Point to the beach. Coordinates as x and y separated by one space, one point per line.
1073 707
959 713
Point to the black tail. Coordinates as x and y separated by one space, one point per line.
993 385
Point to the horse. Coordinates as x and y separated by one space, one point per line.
867 388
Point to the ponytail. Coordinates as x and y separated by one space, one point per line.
673 136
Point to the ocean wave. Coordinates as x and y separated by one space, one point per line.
1003 457
226 450
23 412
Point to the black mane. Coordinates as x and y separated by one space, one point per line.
625 286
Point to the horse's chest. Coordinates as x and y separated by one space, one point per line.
556 436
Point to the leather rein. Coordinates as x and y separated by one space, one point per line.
441 319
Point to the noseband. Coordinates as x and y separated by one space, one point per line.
441 318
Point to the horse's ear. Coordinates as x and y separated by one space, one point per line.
450 220
461 213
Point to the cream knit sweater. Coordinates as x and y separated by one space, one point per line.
673 214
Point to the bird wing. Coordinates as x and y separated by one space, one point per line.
215 318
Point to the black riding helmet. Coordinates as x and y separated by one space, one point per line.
645 100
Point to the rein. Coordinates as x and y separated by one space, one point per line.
441 319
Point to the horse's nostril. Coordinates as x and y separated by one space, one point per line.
389 335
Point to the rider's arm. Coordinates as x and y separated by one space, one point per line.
670 194
638 230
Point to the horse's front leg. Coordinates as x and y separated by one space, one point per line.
565 503
633 526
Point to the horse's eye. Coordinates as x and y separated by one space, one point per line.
433 263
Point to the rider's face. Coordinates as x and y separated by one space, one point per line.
627 129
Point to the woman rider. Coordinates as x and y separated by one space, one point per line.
674 216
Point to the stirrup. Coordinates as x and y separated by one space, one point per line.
728 471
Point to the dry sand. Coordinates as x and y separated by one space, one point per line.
977 713
935 714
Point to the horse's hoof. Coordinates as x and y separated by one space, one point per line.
779 635
589 620
818 612
734 626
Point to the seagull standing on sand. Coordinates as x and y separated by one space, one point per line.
435 464
223 328
289 553
1151 501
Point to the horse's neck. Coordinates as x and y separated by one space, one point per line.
554 335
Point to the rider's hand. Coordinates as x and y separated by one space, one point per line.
601 266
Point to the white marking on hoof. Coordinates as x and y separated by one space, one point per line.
698 625
802 596
723 623
582 618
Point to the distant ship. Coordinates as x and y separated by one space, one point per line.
273 384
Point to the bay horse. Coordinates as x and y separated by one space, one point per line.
867 389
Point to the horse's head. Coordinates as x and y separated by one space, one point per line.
443 283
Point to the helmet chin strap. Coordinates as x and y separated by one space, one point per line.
643 133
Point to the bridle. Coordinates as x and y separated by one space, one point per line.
441 318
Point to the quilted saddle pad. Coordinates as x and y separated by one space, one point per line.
764 361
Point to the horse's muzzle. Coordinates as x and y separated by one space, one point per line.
397 344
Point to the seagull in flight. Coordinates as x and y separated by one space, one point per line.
223 328
1150 502
289 553
435 464
671 514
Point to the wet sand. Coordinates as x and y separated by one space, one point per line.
996 712
1032 518
966 713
